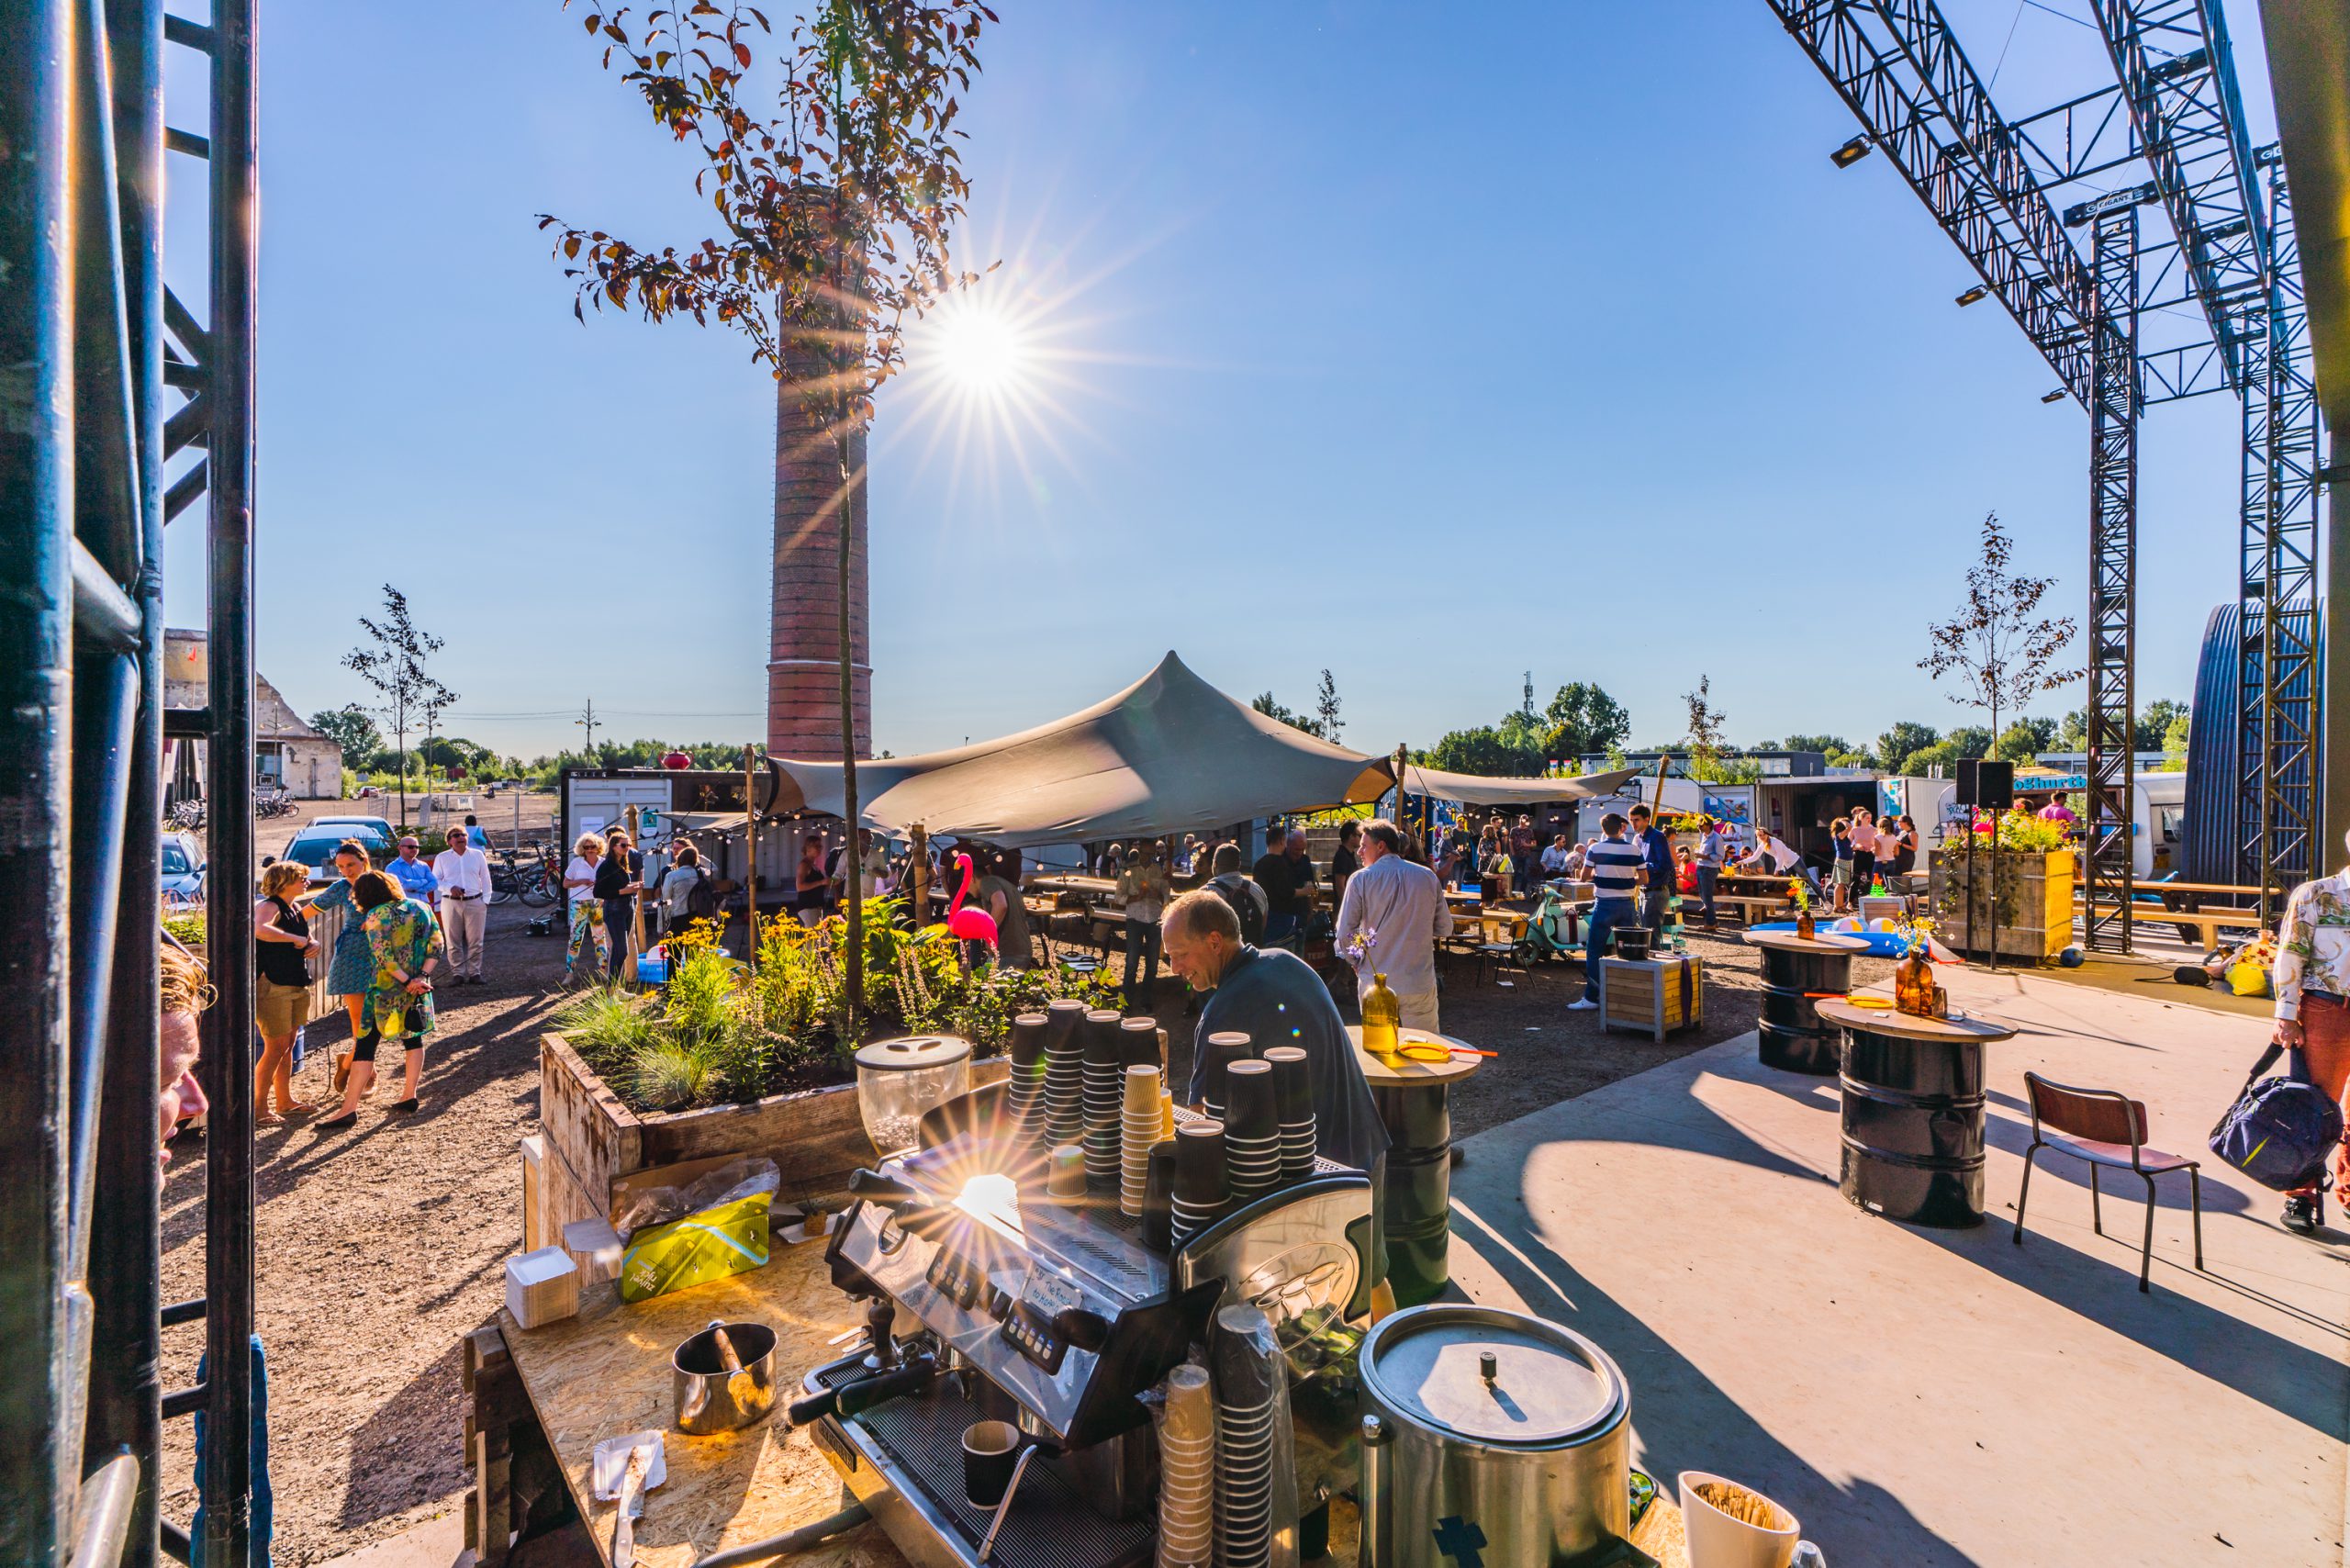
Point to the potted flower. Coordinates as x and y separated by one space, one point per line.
1801 893
2013 894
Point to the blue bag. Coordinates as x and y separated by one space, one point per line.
2281 1131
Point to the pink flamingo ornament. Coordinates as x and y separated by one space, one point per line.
969 925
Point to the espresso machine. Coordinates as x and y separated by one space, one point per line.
988 1299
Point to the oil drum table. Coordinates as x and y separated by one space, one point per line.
1796 970
1912 1090
1415 1101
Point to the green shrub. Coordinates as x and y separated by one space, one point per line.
668 1075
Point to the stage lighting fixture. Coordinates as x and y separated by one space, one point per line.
1972 295
1851 153
2055 397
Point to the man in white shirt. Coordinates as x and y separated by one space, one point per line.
1396 911
463 873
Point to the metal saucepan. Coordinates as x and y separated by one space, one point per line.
722 1378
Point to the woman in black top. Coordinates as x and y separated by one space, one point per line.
620 877
1347 860
282 950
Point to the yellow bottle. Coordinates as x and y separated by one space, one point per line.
1382 1016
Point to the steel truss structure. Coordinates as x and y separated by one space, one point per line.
2167 132
93 348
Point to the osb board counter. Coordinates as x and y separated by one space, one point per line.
606 1373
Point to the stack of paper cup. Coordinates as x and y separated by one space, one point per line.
1138 1131
1252 1148
1294 1100
1187 1470
1064 1073
1198 1179
1103 1097
1246 1401
1139 1041
1224 1048
1023 1090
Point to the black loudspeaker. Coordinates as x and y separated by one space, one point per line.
1981 782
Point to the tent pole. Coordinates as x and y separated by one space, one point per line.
750 861
918 837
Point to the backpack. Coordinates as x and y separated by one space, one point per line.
2281 1131
702 899
1233 889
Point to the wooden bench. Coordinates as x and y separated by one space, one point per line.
2207 922
1751 908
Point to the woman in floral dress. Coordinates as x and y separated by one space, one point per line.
404 942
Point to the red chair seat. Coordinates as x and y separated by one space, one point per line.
2153 1161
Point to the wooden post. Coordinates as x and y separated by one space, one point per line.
751 860
1402 758
919 836
632 815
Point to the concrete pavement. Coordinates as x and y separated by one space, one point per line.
1942 1397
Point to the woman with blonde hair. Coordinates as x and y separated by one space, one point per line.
587 932
283 948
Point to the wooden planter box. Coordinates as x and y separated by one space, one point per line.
1655 996
814 1137
2034 900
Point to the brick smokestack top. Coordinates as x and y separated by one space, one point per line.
803 661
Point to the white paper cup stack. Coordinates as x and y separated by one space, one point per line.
1187 1470
1138 1129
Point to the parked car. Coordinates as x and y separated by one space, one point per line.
314 846
182 867
381 826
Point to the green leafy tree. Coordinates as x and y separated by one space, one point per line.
837 187
392 661
1829 744
1851 759
2154 724
2024 740
1970 740
1265 703
1903 738
1998 647
354 731
1486 752
1707 725
1326 709
2174 738
1926 758
1584 719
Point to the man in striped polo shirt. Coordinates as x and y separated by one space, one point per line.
1615 867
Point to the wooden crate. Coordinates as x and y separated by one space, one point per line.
1654 995
815 1136
2031 894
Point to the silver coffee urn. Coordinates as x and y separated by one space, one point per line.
1490 1437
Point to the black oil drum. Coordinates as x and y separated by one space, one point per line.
1793 1036
1913 1116
1418 1211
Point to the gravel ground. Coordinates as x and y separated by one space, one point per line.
380 1247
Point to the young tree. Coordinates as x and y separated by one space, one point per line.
1706 723
1998 646
1325 709
837 187
393 666
1265 703
1585 719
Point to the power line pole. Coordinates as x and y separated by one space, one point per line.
587 718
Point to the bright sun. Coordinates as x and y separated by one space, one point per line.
980 350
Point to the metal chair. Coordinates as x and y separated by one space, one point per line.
2104 1128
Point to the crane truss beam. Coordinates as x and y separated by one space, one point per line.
2113 552
2277 709
1898 68
2176 74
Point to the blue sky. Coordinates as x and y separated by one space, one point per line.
1427 353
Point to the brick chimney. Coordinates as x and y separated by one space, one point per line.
804 662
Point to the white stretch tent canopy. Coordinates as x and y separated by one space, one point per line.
1169 753
1473 791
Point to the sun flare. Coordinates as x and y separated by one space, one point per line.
980 350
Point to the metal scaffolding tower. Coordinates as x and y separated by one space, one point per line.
2167 132
87 364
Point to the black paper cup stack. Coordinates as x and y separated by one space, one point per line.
1247 1396
1023 1090
1158 1197
1138 1042
1064 1073
1104 1098
1252 1145
1224 1047
1199 1179
1294 1100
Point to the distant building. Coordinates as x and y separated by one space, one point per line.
287 750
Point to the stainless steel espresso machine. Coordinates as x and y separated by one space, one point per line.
991 1300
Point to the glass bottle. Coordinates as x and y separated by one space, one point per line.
1383 1018
1913 985
1804 926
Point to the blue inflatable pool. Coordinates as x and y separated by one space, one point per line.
1880 944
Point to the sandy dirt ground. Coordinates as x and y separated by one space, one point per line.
381 1245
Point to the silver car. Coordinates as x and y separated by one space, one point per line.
182 868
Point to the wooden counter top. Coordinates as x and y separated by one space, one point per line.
1903 1026
1404 1073
606 1373
1787 941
